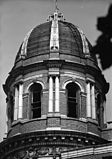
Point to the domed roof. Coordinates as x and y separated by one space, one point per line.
54 36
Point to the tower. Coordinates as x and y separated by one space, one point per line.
55 94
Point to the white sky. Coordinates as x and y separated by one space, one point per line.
17 17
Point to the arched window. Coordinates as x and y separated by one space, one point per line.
35 100
98 104
73 100
12 108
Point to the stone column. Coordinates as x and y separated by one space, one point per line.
50 109
88 101
57 94
93 102
20 110
16 103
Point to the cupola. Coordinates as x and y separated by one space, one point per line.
56 92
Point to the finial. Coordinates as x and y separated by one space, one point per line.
56 15
56 5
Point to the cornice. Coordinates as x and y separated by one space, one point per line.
48 139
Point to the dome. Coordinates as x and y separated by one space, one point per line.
55 36
56 94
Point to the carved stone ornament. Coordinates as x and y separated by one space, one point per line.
34 153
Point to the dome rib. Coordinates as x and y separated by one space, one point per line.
25 42
84 41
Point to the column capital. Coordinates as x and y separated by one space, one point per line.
89 80
83 93
53 72
54 76
18 83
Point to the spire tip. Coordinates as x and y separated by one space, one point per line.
56 5
56 15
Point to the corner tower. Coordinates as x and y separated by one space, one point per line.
55 93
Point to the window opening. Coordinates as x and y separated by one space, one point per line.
36 90
72 100
11 108
98 108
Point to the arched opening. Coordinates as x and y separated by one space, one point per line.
12 108
98 104
35 100
73 100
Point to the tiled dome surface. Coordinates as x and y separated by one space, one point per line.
70 41
39 40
